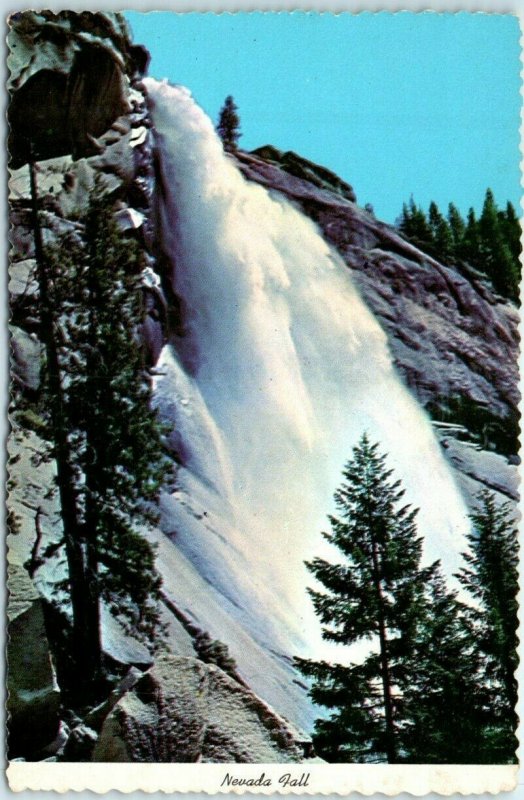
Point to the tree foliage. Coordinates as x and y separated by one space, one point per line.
426 692
111 447
491 577
377 594
490 243
228 126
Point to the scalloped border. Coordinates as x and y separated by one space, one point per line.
340 779
322 779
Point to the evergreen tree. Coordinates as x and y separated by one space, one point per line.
512 230
427 691
415 226
115 466
228 127
447 707
377 594
492 579
489 235
490 243
441 234
421 232
457 229
470 250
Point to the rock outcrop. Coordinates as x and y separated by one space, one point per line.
33 697
67 81
88 118
183 710
302 168
449 334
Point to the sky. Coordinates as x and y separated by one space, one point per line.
396 104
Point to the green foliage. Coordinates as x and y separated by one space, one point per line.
377 594
491 577
114 434
427 692
414 225
30 419
490 243
447 706
228 126
442 238
491 431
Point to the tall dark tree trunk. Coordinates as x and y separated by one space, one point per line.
86 647
384 663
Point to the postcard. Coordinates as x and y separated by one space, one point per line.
264 433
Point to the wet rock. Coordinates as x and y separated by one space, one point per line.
478 469
185 711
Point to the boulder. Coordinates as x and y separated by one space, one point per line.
79 745
183 710
26 352
33 697
69 70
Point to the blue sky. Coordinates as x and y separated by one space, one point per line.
396 104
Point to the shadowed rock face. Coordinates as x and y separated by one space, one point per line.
67 81
448 332
33 699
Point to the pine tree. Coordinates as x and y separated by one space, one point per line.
115 466
377 594
442 238
491 243
447 707
512 230
414 225
470 250
489 234
457 229
228 127
492 579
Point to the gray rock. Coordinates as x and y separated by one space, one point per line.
26 352
95 718
478 469
33 698
80 744
22 279
129 219
185 711
449 334
69 70
307 170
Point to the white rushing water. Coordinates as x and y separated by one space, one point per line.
281 369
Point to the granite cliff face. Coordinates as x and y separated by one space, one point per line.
448 332
78 107
450 335
78 104
70 69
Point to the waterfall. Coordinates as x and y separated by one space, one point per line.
280 369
